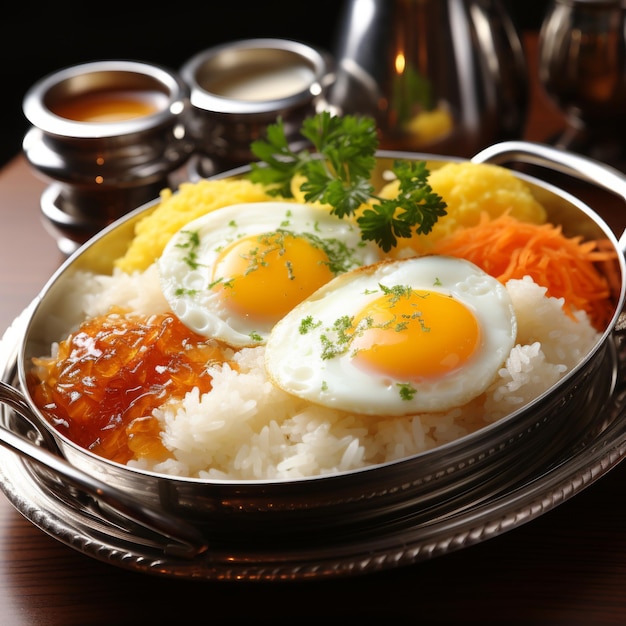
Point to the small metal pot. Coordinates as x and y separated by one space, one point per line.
107 135
239 88
195 514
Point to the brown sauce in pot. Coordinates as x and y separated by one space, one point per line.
99 390
110 106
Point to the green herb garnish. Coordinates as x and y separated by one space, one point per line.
308 324
191 246
338 171
407 391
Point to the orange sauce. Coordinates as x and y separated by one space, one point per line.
110 106
108 376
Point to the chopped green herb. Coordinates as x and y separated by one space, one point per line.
407 391
308 324
341 257
343 330
221 280
191 246
181 291
396 292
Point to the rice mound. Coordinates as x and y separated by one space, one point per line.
176 209
470 189
245 428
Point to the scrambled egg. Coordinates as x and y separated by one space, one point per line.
177 209
470 189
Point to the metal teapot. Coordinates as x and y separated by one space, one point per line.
443 76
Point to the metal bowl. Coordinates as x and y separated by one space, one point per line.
229 111
100 167
260 514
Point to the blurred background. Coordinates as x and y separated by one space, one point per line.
40 39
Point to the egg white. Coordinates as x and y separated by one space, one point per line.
186 281
295 355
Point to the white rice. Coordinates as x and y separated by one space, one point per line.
245 428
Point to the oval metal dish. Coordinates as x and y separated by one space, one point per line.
485 511
400 512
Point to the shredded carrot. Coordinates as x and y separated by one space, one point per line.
580 272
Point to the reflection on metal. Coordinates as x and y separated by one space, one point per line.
239 88
445 76
582 66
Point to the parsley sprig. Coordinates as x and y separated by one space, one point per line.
337 172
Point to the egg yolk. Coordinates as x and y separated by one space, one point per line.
414 335
264 276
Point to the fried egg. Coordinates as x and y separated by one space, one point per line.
396 338
233 273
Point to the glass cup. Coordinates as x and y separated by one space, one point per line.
582 67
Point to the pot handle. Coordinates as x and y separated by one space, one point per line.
575 165
182 539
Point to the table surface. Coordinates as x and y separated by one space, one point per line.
567 566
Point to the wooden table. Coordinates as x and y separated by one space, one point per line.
566 567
